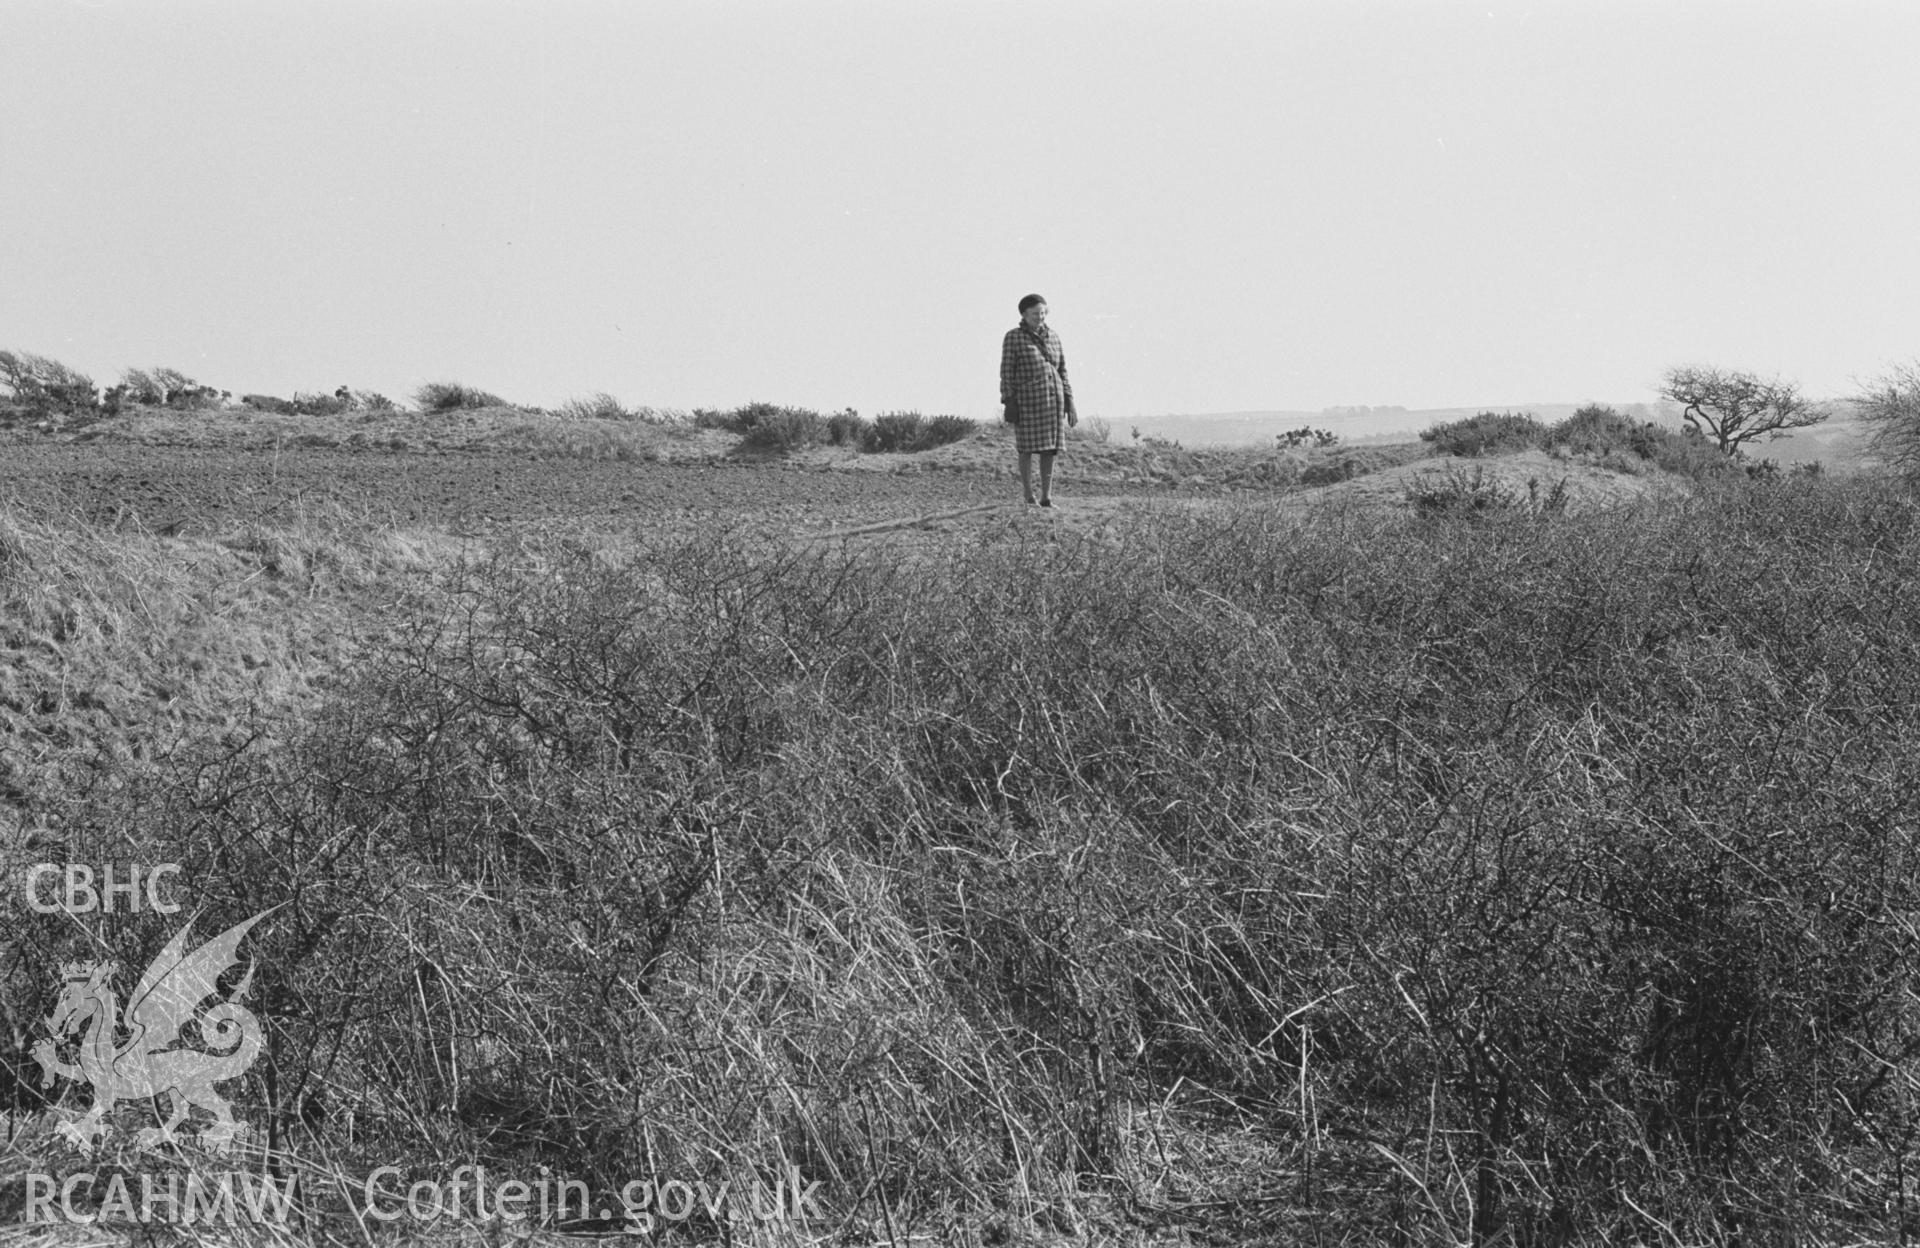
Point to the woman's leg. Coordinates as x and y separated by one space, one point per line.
1026 474
1046 475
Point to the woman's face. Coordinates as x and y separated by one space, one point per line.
1035 316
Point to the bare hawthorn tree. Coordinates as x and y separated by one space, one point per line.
1890 407
1733 408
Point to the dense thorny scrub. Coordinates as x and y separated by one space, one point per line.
1529 873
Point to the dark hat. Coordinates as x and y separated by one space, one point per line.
1029 301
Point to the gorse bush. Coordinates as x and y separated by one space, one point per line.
786 429
334 404
1604 434
769 426
1511 878
848 428
1305 435
944 430
1594 431
910 431
895 431
745 419
1488 433
1599 430
1477 495
452 396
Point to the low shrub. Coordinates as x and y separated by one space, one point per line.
1456 493
1489 433
848 428
910 431
1305 435
744 420
268 403
1604 434
1687 454
769 426
785 429
895 431
946 430
452 396
334 404
1346 463
1597 430
304 404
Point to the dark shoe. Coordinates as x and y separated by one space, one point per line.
1046 502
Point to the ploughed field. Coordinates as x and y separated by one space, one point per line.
203 489
148 473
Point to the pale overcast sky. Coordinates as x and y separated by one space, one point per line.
1229 206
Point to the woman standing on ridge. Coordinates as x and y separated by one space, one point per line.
1035 394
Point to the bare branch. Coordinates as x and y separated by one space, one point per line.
1891 409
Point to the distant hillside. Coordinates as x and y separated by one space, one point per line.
1839 443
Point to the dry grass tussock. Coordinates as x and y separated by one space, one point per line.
1254 874
247 428
117 645
619 440
584 431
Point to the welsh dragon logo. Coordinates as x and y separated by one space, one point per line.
143 1066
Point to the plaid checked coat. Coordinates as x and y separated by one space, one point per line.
1035 380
